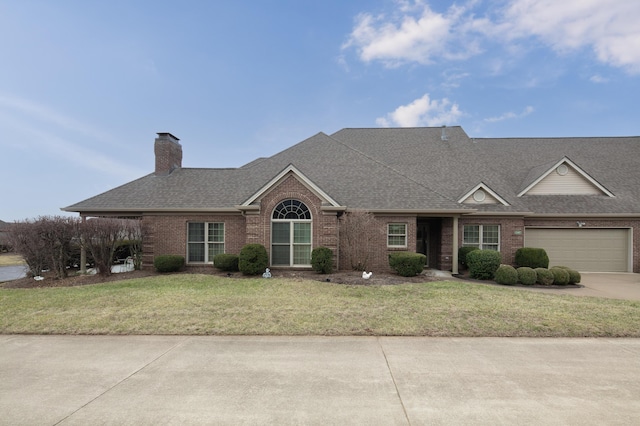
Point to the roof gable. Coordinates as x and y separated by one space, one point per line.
280 177
564 178
482 194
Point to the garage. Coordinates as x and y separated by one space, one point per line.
583 249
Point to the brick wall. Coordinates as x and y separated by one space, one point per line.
511 234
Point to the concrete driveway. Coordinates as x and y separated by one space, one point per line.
604 284
150 380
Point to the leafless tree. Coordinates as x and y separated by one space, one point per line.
45 243
358 228
100 236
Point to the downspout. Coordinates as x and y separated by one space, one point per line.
454 256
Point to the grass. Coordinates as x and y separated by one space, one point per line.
194 304
10 260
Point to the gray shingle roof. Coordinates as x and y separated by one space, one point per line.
401 169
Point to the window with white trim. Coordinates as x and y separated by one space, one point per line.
485 237
291 234
204 241
397 235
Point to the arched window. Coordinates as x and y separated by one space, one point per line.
291 234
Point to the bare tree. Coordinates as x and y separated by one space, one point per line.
57 234
132 231
358 229
25 240
100 236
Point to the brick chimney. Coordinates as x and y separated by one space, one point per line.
168 154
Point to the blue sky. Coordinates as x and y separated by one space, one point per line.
84 85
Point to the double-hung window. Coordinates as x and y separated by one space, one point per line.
204 241
397 235
485 237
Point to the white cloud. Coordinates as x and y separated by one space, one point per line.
510 115
422 112
609 28
418 34
414 33
598 79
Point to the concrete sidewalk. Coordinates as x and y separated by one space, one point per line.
145 380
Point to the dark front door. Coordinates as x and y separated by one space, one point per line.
428 239
422 240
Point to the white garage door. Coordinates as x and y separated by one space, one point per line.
594 250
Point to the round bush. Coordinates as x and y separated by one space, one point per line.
544 276
560 276
322 260
532 257
407 264
226 262
506 274
526 275
574 276
253 259
462 254
168 263
483 263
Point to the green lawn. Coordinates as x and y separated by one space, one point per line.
204 305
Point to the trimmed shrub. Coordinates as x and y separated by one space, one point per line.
532 257
574 276
544 276
483 263
506 274
462 255
226 262
526 275
322 260
168 263
560 276
253 259
407 264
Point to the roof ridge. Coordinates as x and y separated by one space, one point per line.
390 168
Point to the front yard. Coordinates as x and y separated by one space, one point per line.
200 304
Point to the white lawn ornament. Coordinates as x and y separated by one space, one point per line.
38 278
366 275
267 273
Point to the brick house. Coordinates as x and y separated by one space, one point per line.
430 190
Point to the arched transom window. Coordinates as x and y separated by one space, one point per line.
291 234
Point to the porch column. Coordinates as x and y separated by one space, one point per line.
83 251
454 255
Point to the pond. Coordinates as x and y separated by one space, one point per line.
9 273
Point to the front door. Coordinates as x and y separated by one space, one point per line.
422 240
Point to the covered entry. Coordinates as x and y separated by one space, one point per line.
583 249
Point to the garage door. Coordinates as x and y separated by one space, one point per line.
594 250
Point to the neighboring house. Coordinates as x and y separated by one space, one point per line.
430 190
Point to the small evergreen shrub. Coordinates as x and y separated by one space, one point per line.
407 264
462 255
322 260
544 276
168 263
253 259
226 262
560 276
483 263
532 257
506 274
526 275
574 276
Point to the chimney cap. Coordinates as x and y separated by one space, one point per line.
167 135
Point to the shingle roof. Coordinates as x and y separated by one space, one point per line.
401 169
